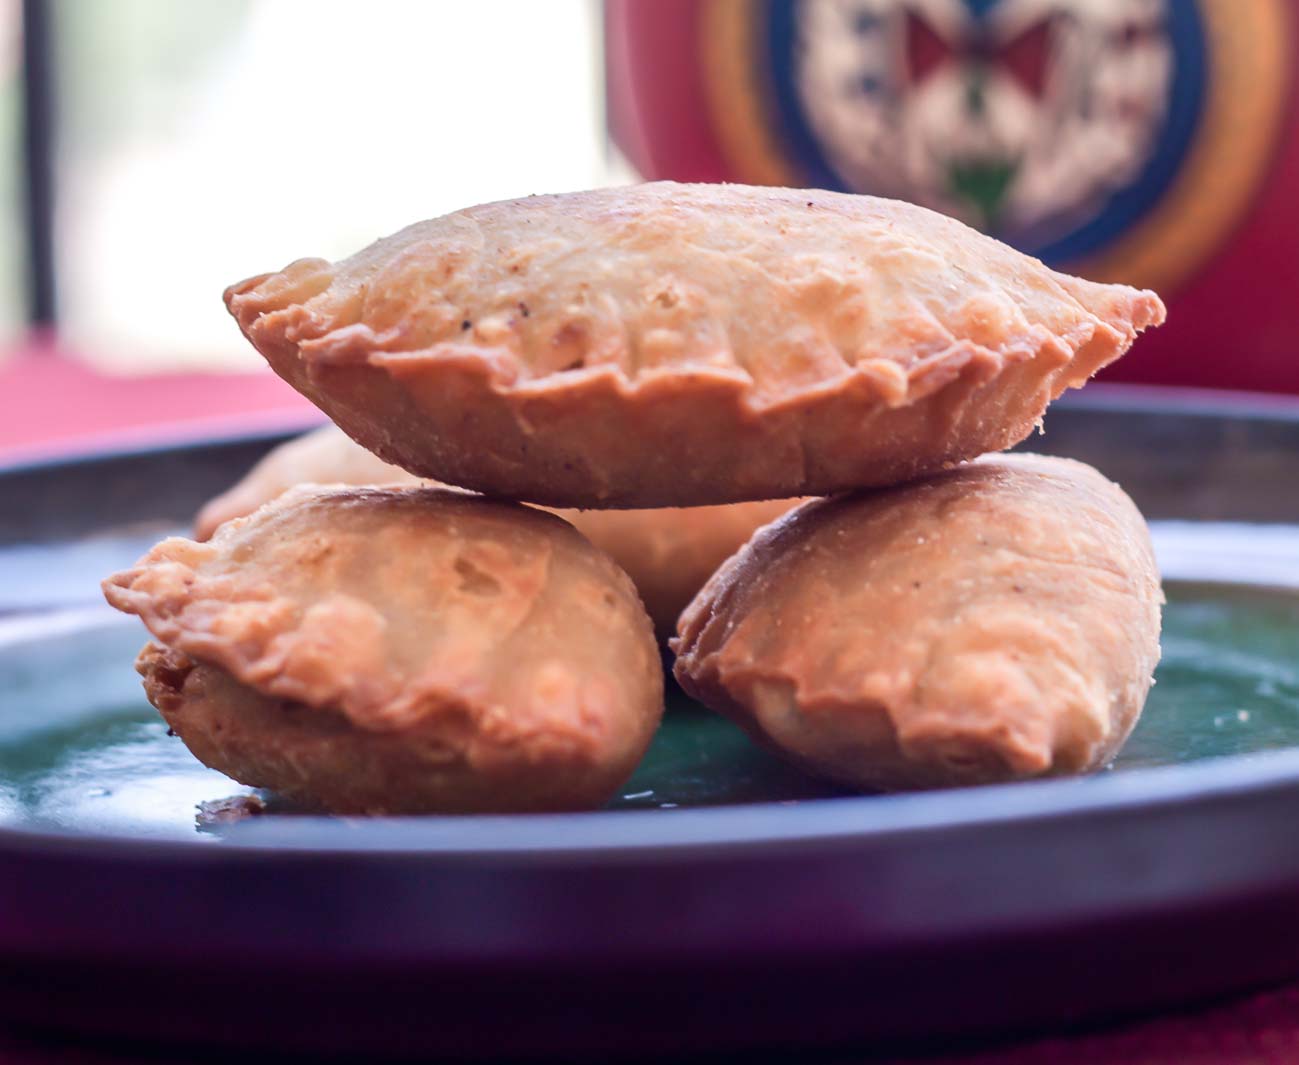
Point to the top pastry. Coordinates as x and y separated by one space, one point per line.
676 345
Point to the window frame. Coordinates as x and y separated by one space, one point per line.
37 179
53 405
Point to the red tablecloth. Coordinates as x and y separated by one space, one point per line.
1259 1030
51 403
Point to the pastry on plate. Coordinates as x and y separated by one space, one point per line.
669 553
322 456
994 622
388 650
675 345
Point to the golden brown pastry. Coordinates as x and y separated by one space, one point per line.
673 345
322 456
669 553
990 623
374 650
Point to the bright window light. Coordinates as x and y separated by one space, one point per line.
204 142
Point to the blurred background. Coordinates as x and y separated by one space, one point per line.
152 152
197 143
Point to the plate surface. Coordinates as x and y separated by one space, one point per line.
92 756
751 905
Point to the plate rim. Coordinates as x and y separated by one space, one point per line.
179 438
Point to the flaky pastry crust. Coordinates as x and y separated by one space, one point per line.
995 622
669 553
400 650
675 345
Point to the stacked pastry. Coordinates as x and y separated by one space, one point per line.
670 360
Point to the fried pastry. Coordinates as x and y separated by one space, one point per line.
372 650
994 622
668 553
322 456
676 345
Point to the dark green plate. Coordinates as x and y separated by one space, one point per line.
725 901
